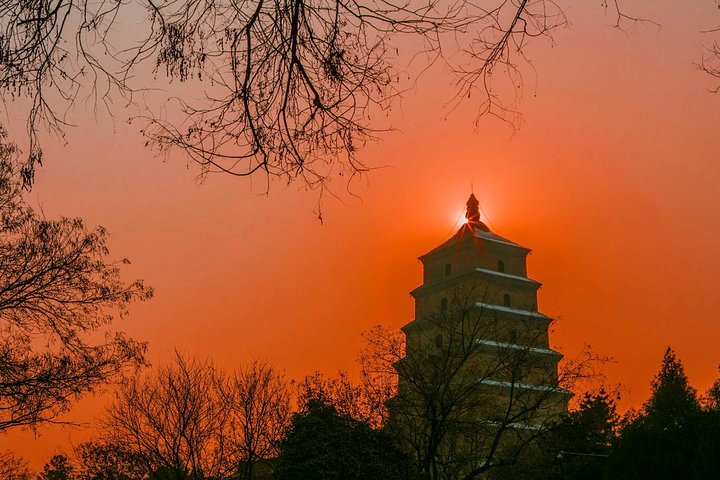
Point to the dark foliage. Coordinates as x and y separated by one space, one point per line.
99 460
674 435
323 445
666 440
364 400
58 468
576 448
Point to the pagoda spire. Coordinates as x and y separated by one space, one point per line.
473 213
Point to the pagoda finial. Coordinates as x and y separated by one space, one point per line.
473 213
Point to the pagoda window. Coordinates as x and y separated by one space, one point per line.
443 304
439 341
513 336
448 269
501 266
506 300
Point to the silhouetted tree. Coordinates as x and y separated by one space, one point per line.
256 400
711 399
706 458
58 292
13 467
174 420
58 468
672 399
360 400
661 441
323 445
365 399
706 463
100 460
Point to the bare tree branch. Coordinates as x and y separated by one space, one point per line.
257 402
57 292
13 467
292 87
174 420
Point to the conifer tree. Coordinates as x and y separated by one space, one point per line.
661 442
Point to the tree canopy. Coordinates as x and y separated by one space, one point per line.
58 468
322 444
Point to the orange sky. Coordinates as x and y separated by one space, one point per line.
612 180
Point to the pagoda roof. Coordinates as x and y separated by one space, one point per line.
477 230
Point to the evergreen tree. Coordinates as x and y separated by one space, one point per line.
661 441
673 400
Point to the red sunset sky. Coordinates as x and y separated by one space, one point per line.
612 179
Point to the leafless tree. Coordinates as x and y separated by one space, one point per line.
623 19
50 51
58 291
13 467
174 419
256 400
495 54
710 61
469 399
364 401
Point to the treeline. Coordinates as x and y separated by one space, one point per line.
190 421
674 435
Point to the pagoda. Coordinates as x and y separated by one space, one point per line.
478 372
